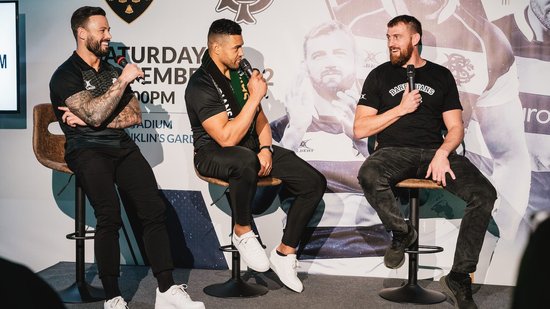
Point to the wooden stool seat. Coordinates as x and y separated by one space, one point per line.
236 287
411 292
413 183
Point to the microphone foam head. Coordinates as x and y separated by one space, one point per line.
121 60
410 70
245 66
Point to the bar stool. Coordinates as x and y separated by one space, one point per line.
49 150
411 292
236 286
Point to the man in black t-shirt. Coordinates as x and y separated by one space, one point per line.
408 126
233 142
93 103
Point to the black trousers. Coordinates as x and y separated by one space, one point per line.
239 166
388 166
101 171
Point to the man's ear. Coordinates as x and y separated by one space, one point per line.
81 33
216 47
416 39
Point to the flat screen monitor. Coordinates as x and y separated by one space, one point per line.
9 60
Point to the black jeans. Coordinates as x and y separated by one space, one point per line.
239 166
388 166
101 171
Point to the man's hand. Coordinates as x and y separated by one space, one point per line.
265 162
257 86
439 167
130 72
410 101
69 118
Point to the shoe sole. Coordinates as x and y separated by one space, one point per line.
403 260
447 290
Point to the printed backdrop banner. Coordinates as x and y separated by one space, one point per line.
316 55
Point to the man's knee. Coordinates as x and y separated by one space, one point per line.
247 164
368 174
319 184
485 196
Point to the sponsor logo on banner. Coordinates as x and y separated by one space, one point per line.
304 147
129 10
461 67
244 9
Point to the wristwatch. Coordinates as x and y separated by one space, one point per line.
268 147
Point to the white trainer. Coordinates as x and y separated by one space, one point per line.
285 268
115 303
176 298
251 251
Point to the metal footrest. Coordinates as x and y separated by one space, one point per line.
74 237
228 248
429 249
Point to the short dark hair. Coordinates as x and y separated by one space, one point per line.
225 27
81 15
411 21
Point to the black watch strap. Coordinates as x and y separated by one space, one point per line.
269 147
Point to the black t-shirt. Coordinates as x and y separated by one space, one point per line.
203 101
74 76
383 90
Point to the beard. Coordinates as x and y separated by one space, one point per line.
403 57
95 48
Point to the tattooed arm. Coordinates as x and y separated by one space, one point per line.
129 116
95 111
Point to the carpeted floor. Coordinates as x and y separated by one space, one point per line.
138 287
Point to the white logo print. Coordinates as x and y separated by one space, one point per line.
89 85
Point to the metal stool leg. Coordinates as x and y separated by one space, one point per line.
235 286
411 292
80 291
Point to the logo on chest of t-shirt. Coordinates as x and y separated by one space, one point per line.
88 85
421 87
98 83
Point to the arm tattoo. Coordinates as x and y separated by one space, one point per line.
129 116
94 111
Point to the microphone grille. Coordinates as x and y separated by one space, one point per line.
410 70
245 65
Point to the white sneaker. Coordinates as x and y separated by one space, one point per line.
176 298
285 268
115 303
251 251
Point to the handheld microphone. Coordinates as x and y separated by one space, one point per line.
121 60
245 66
410 76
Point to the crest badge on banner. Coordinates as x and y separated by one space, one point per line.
129 10
245 9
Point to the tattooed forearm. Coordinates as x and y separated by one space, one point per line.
94 111
129 116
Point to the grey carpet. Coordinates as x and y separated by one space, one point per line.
321 291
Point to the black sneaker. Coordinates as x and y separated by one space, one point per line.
459 291
395 254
